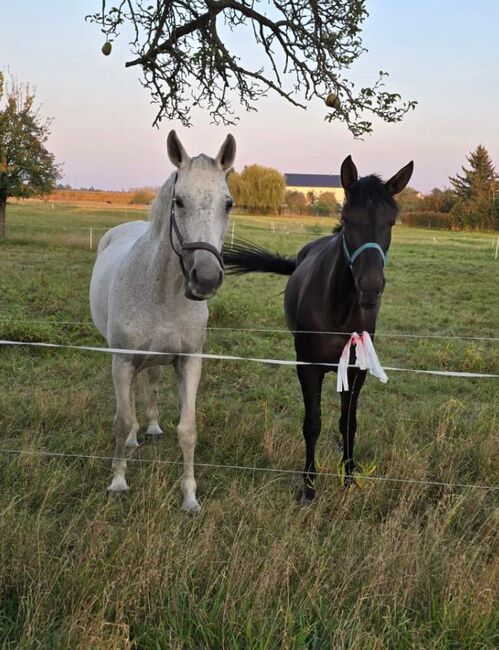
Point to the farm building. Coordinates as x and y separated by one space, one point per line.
316 183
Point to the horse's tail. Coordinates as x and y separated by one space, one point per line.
243 256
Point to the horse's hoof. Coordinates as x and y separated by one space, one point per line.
154 430
306 497
191 505
349 481
132 444
118 484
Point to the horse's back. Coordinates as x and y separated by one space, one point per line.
313 248
125 233
114 246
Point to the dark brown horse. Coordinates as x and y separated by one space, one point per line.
335 286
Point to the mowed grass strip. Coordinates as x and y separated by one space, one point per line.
391 565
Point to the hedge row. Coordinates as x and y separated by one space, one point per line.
428 219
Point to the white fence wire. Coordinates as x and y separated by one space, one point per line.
230 357
268 470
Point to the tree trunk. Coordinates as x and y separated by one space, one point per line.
3 205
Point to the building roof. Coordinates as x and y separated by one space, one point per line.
313 180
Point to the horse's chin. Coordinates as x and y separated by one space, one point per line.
192 294
368 306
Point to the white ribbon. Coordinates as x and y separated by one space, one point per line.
365 359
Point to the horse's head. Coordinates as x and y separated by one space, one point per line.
368 215
200 209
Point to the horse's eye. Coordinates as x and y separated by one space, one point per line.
178 202
228 204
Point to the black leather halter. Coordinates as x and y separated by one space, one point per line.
188 246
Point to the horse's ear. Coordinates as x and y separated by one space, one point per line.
227 153
176 151
348 173
397 183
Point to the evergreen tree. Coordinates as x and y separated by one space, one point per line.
476 191
26 167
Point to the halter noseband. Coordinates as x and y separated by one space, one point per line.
351 257
188 246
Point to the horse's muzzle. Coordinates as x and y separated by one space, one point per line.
203 285
369 299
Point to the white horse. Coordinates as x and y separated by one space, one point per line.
148 291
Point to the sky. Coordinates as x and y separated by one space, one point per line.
443 53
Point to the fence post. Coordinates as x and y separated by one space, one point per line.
232 235
497 247
90 238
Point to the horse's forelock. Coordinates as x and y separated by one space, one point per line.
369 188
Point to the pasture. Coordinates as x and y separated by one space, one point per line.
387 565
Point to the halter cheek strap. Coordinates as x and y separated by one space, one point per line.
351 257
188 246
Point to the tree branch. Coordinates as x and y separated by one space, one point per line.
308 46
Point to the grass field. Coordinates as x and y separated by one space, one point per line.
392 565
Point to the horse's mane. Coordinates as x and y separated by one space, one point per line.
161 204
370 188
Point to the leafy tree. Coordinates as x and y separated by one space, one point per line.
409 200
305 45
258 188
326 204
296 201
26 167
439 200
311 197
476 191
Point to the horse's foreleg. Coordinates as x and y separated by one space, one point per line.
132 441
152 376
311 379
348 419
188 371
123 376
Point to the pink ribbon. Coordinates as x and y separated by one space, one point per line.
365 359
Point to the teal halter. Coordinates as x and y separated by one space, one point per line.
370 244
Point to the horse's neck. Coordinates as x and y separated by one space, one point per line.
345 312
164 262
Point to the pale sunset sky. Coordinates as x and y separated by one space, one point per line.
443 53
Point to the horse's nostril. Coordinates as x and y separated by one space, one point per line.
220 277
194 275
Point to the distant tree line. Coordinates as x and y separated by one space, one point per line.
311 204
470 203
263 190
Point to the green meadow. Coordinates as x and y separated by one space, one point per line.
386 564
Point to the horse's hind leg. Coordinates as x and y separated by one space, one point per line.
123 376
188 370
348 419
151 381
311 378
